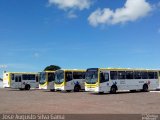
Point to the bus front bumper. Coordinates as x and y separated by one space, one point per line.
89 89
58 88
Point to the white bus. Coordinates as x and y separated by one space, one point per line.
24 81
116 79
46 80
69 80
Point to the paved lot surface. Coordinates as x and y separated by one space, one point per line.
43 101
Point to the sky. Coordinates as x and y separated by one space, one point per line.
79 34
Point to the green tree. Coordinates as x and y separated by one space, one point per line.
52 68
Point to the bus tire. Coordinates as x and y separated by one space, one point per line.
77 88
27 87
113 89
145 88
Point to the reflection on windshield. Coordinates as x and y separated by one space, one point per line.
91 77
59 77
42 78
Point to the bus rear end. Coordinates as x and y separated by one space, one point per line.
6 79
92 80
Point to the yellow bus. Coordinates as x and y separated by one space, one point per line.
69 80
104 80
46 80
20 79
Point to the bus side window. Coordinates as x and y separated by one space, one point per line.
68 76
104 77
20 79
25 77
12 76
121 75
129 74
138 75
37 79
113 75
151 75
16 79
155 75
31 77
78 75
144 75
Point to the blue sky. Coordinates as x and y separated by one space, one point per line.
80 34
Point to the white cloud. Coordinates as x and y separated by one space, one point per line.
132 10
71 15
71 4
3 66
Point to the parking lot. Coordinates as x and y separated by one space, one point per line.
43 101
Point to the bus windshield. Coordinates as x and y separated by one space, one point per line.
91 76
42 79
59 77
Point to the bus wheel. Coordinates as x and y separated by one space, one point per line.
77 88
27 87
145 88
113 89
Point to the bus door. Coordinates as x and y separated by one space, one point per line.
69 78
18 81
104 80
37 81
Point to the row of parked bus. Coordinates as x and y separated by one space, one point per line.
99 80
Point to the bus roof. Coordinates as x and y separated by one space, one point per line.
72 70
130 69
133 69
48 71
20 72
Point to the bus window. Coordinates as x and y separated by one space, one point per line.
16 79
25 77
129 74
31 77
144 75
51 77
78 75
37 79
155 75
137 75
113 75
68 76
121 74
104 77
151 75
12 76
20 80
